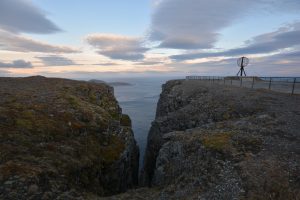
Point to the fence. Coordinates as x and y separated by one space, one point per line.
280 84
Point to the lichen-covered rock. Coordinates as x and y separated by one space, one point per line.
223 142
63 139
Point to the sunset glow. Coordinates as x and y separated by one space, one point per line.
149 37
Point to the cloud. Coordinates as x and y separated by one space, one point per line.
194 24
22 16
16 64
290 55
12 42
149 63
4 73
280 5
212 66
284 37
117 46
282 64
106 64
54 60
280 59
87 75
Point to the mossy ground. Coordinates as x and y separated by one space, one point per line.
220 141
58 127
125 120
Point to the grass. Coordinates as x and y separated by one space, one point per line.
93 97
226 116
113 151
24 124
218 141
125 120
63 128
73 101
115 115
18 168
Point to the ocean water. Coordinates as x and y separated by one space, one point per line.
139 101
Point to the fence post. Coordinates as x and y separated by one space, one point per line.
294 85
270 83
252 82
231 81
224 80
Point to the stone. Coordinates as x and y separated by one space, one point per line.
32 189
227 134
47 196
8 182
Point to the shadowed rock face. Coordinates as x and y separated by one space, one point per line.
222 142
63 139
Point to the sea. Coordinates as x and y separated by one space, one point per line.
139 101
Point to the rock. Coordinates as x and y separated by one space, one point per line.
218 142
265 116
206 142
64 135
47 196
8 182
32 189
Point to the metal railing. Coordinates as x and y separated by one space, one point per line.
280 84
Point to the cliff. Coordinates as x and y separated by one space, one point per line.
222 142
63 139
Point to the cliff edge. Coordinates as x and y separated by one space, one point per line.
223 142
63 139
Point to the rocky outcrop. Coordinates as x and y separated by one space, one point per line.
63 139
223 142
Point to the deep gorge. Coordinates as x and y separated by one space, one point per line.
65 139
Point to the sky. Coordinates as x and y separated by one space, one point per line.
117 38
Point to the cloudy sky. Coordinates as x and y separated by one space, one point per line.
78 39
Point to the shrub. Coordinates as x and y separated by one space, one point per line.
125 120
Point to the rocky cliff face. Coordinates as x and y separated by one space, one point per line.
63 139
222 142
